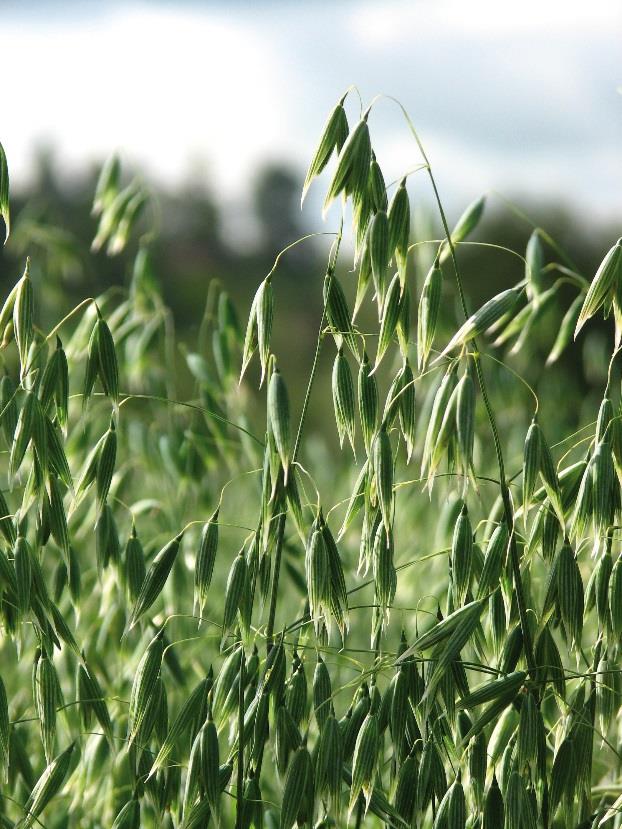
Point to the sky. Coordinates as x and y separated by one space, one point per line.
521 98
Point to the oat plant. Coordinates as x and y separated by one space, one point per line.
205 620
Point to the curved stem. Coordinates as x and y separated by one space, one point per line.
505 492
281 525
274 587
240 758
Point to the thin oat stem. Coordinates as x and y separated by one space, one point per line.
505 493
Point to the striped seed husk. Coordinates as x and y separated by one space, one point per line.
22 561
108 367
600 291
364 761
441 402
210 765
357 498
338 313
490 312
298 792
383 475
250 337
105 466
24 431
343 398
399 710
352 165
563 773
46 787
278 417
145 686
92 364
602 578
441 630
322 693
89 470
604 483
135 569
465 421
296 694
237 594
494 560
6 313
427 320
50 380
107 184
57 459
531 464
549 477
128 816
607 694
570 594
399 228
494 811
338 594
317 570
452 648
461 556
385 576
23 319
8 408
364 279
226 687
181 724
391 311
528 729
465 225
46 699
405 800
156 577
333 137
478 767
94 697
603 421
566 331
615 597
329 763
368 403
286 738
456 807
376 186
264 315
57 516
583 505
206 557
379 253
447 437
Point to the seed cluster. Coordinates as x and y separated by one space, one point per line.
173 681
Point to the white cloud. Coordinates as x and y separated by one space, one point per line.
512 96
158 84
396 21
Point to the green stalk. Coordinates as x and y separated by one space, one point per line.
505 492
274 587
240 760
303 415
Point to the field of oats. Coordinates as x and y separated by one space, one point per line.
385 592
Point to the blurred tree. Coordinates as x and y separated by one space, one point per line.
276 201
